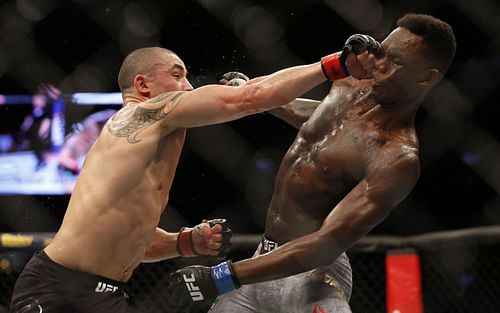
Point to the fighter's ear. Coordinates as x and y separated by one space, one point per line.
430 77
141 84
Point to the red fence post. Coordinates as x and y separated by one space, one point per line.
403 282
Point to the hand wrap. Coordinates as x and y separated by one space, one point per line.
186 247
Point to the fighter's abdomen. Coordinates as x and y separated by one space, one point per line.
313 177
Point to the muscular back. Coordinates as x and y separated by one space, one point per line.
120 194
330 155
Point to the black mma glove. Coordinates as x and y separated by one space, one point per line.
200 285
187 248
334 66
234 79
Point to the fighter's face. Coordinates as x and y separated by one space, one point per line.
169 74
402 64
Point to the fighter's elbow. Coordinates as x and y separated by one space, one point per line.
253 98
376 209
332 243
347 231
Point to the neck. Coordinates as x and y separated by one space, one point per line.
129 98
402 108
392 115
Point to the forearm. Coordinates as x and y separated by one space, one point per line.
162 247
284 86
256 79
294 113
297 256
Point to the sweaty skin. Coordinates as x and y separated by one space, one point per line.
354 159
120 194
331 154
110 225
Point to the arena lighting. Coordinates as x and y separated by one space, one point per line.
93 98
80 98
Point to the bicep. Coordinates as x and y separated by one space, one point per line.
372 199
208 105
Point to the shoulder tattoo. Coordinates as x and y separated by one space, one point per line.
130 122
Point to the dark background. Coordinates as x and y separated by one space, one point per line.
228 170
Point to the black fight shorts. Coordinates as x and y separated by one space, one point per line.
47 287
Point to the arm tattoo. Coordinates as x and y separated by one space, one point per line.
130 122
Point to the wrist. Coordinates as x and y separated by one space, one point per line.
185 243
334 66
224 278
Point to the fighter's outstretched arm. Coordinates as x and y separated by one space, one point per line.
294 113
357 59
214 104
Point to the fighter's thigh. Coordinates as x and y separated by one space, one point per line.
104 303
236 301
319 293
34 294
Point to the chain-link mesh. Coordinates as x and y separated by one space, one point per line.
455 282
368 275
7 281
148 286
457 276
11 264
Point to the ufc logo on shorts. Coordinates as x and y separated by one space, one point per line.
103 287
194 291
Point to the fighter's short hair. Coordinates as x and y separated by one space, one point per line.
438 37
139 61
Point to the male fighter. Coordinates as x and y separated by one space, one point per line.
354 159
111 221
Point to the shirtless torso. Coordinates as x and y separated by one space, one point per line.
331 155
111 220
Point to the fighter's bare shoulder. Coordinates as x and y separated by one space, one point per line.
402 151
130 121
397 156
167 99
396 170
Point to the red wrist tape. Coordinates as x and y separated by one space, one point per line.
185 243
332 67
